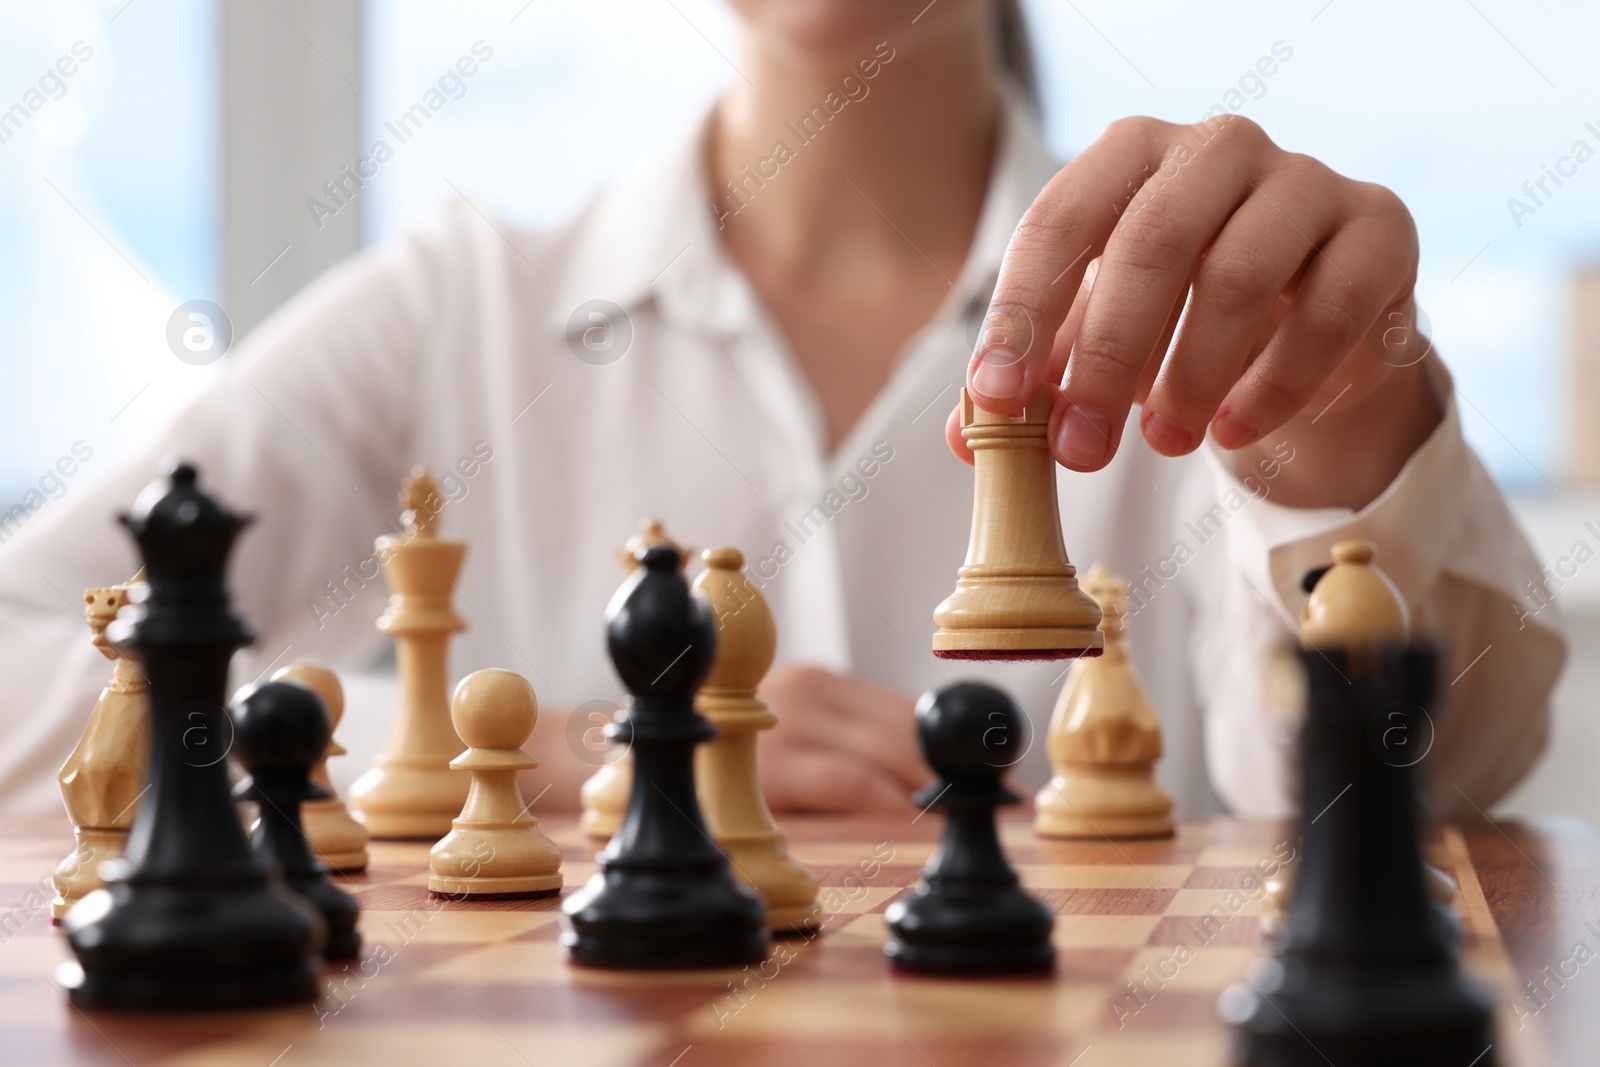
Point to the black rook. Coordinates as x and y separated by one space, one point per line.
1366 970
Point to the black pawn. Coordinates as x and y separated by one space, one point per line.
191 917
282 729
968 913
664 895
1366 970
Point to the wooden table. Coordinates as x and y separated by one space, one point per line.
486 984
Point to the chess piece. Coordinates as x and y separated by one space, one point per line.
650 532
1280 891
1353 605
1442 888
1017 595
102 780
190 916
410 791
663 895
494 848
1365 969
726 777
1104 739
605 794
968 913
281 732
337 838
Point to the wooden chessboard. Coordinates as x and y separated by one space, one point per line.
485 983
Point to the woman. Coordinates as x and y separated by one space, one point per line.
756 338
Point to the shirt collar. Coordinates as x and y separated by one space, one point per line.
652 235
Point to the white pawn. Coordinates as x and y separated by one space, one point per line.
494 848
338 839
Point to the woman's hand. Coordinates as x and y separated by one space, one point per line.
841 744
1299 284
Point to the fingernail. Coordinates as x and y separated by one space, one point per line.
1008 326
1083 439
999 374
1230 431
1166 436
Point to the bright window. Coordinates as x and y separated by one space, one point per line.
108 180
570 94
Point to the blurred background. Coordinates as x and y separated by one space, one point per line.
154 153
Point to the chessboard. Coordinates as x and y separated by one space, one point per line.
485 982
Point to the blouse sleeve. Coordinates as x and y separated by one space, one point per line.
310 431
1448 540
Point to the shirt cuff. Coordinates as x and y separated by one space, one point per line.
1441 513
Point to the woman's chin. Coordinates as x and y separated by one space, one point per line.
842 30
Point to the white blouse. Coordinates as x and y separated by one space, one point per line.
554 423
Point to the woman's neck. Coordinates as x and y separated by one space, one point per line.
853 202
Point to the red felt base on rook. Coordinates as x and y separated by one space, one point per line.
1005 655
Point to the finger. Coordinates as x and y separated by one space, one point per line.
1144 273
1061 348
1147 377
1055 365
1335 305
837 733
829 711
862 730
1066 227
799 778
1236 288
883 719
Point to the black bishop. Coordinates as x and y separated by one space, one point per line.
664 895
